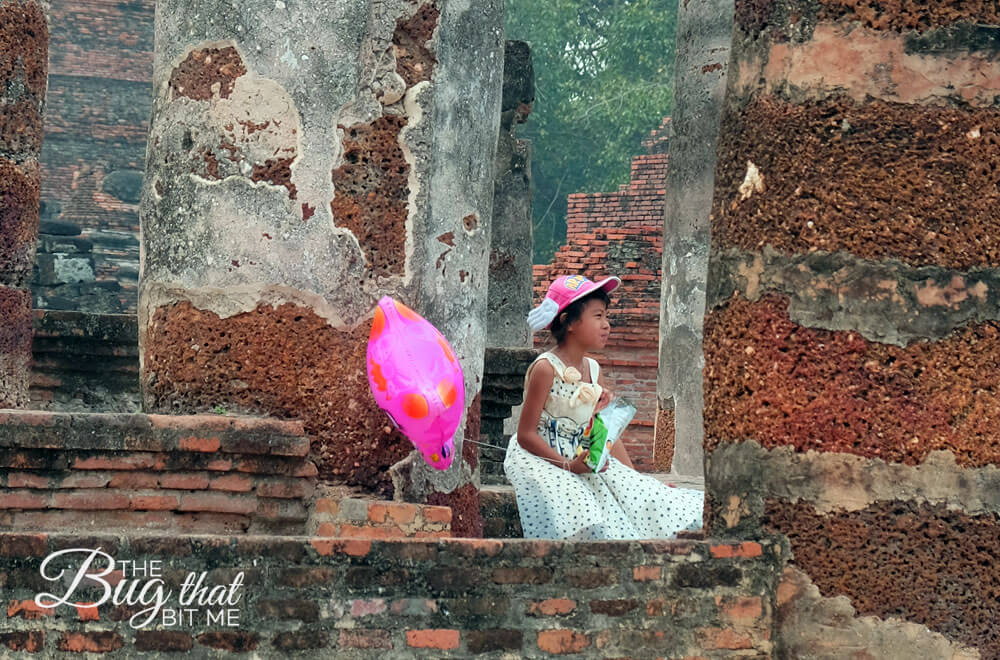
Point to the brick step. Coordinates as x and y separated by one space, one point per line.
187 473
498 507
68 348
351 517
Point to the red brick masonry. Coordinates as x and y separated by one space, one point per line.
447 598
189 473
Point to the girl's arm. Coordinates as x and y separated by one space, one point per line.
606 393
619 452
539 383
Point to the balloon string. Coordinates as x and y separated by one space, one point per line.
483 444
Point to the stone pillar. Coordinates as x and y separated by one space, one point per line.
852 343
24 53
508 337
306 158
512 242
704 30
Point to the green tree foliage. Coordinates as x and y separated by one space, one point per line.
603 81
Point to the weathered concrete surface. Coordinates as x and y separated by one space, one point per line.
833 481
24 48
886 301
811 627
512 241
862 62
312 158
703 40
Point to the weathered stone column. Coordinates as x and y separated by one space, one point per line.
306 158
704 31
852 343
508 338
512 242
24 55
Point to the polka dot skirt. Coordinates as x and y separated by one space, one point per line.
618 503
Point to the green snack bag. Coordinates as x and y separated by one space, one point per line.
605 429
598 436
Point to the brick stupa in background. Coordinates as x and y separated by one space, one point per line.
621 233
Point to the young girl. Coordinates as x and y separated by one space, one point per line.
558 496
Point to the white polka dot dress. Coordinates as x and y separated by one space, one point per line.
618 503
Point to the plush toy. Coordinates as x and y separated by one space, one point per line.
414 376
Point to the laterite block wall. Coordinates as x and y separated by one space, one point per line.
852 336
24 49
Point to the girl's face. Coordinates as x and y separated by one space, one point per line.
592 328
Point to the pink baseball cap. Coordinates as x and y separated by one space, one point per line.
564 291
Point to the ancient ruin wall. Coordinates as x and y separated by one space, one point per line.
851 335
96 123
24 49
294 176
512 239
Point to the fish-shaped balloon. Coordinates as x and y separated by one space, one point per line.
415 377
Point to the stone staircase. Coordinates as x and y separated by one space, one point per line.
503 389
84 362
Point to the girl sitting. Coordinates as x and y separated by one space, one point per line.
558 496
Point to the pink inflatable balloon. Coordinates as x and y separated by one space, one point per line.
414 376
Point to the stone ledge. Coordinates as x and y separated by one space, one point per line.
191 473
141 432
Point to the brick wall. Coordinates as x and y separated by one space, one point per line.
96 120
621 233
375 519
447 598
195 474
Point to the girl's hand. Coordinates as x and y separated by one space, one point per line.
579 464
